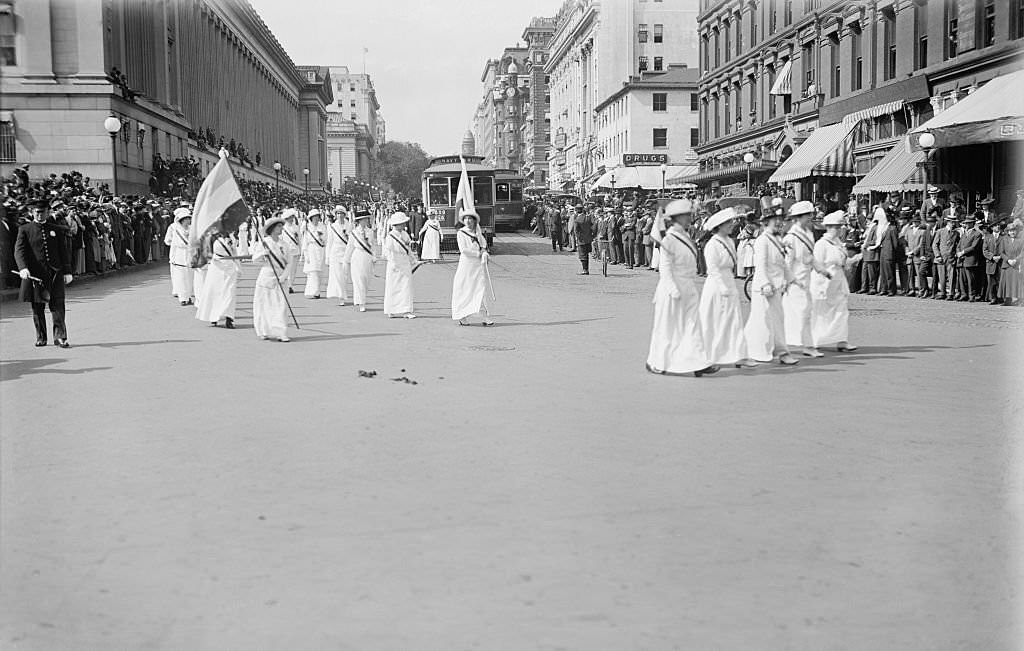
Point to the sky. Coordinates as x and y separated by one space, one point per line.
425 56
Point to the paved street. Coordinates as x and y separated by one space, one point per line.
168 485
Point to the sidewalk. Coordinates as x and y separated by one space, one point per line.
88 279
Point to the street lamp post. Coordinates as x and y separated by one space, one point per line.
748 158
277 178
613 184
664 168
113 126
926 141
305 173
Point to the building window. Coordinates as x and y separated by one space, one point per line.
833 48
888 44
659 33
952 31
856 59
728 114
694 136
660 138
352 103
753 30
771 98
643 64
642 33
718 60
772 17
739 34
807 59
752 94
694 102
659 64
660 101
8 147
920 35
8 52
787 12
728 47
1017 19
354 116
706 118
717 121
352 88
706 54
988 27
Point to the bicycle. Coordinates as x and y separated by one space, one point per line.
746 285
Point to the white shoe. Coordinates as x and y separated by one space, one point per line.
813 352
362 308
341 303
283 340
410 316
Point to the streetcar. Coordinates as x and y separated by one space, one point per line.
508 200
441 187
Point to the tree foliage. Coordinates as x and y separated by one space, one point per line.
401 165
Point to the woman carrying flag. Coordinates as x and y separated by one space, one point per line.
397 248
469 290
360 257
269 303
221 285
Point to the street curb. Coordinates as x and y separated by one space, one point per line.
8 295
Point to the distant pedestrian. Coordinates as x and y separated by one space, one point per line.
430 238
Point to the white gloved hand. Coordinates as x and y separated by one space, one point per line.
485 256
24 273
68 278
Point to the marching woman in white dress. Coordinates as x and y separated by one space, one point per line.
830 312
766 324
430 235
337 250
796 304
292 240
677 344
243 238
360 257
221 286
177 238
397 248
314 251
269 305
469 289
721 321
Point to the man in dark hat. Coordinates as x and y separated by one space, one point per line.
990 250
943 249
583 227
42 258
970 254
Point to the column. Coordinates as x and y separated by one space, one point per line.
38 63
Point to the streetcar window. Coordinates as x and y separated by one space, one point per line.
453 182
438 192
482 191
515 191
501 193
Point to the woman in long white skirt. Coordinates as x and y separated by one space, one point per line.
469 289
830 312
292 240
721 321
397 248
314 251
677 344
337 250
796 304
177 238
269 306
765 329
430 235
220 288
360 256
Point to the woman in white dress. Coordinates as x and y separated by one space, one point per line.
830 312
292 240
314 251
397 248
721 321
177 238
796 304
269 305
430 235
360 257
469 289
337 251
677 344
745 248
220 289
766 324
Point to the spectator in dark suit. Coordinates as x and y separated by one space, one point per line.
924 258
969 251
869 260
944 248
990 250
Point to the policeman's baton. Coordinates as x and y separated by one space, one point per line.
38 280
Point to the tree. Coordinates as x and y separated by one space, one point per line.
400 165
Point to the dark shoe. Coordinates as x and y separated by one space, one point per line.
711 370
229 323
995 301
63 343
213 323
963 299
40 343
871 293
184 303
190 302
291 291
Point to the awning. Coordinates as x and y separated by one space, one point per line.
900 171
993 113
647 177
827 152
737 172
783 84
875 111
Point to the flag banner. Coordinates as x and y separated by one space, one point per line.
464 195
219 208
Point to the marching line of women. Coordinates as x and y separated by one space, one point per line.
343 247
799 295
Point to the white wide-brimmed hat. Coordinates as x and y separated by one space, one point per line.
271 223
719 218
289 213
801 208
837 218
398 218
314 213
181 213
679 207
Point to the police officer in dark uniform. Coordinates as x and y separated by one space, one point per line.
43 264
583 226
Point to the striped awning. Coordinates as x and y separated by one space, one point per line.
783 83
827 152
732 172
874 111
901 171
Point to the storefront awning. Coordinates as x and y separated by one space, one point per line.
874 111
993 113
827 152
647 177
900 171
732 172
